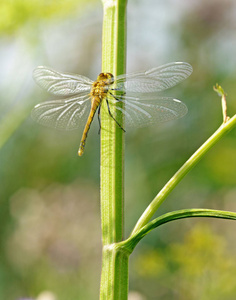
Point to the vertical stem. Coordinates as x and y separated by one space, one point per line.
114 278
112 140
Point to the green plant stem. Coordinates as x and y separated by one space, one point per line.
112 140
190 163
114 280
114 263
131 242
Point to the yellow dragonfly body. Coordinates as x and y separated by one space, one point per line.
98 93
138 92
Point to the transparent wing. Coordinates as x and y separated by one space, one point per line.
67 114
149 109
154 80
61 83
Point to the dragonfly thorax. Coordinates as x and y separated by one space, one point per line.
101 85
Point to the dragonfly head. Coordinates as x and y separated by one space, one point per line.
108 78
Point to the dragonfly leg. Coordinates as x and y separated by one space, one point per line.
99 119
114 95
117 89
112 115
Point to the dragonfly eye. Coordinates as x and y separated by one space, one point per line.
108 78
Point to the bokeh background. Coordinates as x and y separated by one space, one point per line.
50 238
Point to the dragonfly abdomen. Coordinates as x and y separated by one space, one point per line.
96 102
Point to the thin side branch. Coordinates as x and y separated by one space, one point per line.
190 163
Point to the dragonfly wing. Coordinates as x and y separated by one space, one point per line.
148 110
66 114
61 83
156 79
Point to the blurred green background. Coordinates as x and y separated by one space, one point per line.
50 237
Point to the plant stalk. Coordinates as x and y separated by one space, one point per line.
190 163
114 278
133 240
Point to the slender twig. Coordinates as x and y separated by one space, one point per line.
132 241
190 163
217 88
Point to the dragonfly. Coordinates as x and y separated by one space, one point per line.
82 97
